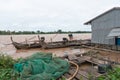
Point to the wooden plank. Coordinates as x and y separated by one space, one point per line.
74 79
81 60
83 73
80 75
72 57
72 72
67 75
93 62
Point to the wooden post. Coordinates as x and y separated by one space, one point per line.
51 39
26 40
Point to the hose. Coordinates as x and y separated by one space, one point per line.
77 69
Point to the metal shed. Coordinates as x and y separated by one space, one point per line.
106 27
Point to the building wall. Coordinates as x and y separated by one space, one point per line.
103 25
117 17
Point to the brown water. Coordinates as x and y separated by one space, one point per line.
7 48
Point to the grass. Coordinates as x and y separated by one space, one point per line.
6 61
6 66
5 74
111 75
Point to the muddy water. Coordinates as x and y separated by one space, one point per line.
7 48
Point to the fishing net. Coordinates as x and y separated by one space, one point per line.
41 66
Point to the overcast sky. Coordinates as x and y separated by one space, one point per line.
51 15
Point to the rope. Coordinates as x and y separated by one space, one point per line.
77 68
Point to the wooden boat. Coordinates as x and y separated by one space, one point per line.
61 44
25 45
48 45
65 43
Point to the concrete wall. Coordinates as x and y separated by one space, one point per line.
103 25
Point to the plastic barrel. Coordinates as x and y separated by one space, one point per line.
103 68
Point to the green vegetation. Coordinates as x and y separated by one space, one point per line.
40 32
111 75
6 70
6 67
32 66
6 61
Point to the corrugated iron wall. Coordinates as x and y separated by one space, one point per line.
103 25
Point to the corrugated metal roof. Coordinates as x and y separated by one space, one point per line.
114 32
89 22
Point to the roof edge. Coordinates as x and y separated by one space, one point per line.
89 22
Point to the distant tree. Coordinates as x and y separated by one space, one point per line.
42 32
8 32
13 32
38 32
33 32
20 32
59 31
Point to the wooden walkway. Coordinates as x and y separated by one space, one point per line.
83 74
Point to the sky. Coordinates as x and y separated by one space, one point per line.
51 15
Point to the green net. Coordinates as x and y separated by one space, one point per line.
41 66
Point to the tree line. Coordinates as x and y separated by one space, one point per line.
39 32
